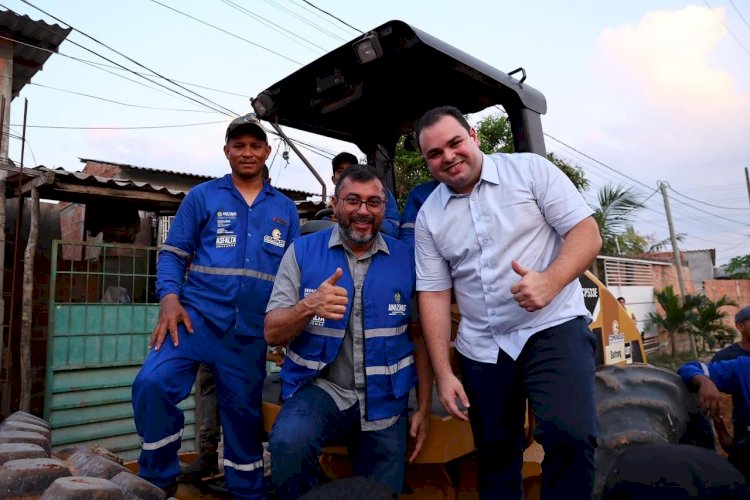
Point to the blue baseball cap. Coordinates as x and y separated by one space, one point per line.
742 315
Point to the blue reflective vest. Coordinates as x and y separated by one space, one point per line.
231 252
386 295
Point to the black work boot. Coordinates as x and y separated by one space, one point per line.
206 465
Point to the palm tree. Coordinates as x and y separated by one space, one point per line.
706 320
676 313
613 214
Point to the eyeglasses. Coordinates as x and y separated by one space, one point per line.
353 203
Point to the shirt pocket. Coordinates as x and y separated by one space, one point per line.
274 239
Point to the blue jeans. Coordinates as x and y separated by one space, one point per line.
309 421
556 372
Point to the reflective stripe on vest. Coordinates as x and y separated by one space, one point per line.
177 251
307 363
390 369
385 332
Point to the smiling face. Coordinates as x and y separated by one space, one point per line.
360 225
247 154
452 154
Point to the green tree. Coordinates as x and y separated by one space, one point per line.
495 135
615 205
739 267
411 170
676 314
706 320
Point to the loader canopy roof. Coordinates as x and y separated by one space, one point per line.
371 91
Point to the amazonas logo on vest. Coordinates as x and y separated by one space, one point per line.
396 308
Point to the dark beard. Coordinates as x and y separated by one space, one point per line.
358 238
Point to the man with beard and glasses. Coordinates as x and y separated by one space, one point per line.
509 234
214 276
341 303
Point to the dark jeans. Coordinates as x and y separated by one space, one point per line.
207 411
556 372
309 421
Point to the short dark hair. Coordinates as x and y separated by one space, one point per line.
358 173
432 116
342 158
620 299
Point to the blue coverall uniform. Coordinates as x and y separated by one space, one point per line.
732 377
417 196
231 252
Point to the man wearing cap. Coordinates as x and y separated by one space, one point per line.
215 273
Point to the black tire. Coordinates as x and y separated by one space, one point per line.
637 403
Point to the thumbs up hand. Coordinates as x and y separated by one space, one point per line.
329 300
534 290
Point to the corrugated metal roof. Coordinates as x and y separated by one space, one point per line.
149 169
95 179
294 194
28 35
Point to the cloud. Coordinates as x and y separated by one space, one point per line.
673 96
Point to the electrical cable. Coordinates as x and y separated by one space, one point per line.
331 15
224 31
304 20
705 203
215 106
727 27
144 127
120 102
279 29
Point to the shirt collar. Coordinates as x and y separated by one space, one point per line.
487 174
226 183
378 245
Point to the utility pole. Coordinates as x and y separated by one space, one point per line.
747 181
677 258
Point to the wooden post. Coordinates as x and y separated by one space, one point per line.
27 304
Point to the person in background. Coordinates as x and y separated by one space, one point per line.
732 377
509 234
215 273
341 304
344 160
624 304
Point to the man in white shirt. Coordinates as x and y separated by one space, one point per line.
509 235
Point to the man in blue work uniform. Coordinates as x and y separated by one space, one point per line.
341 303
414 201
732 377
229 235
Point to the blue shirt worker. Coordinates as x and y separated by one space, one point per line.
341 303
414 201
509 235
732 377
390 225
229 236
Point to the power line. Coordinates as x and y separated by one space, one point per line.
278 28
213 105
727 27
331 15
120 102
120 128
226 32
705 203
305 20
739 13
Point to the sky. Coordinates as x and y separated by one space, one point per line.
637 91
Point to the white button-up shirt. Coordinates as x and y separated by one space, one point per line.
519 210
